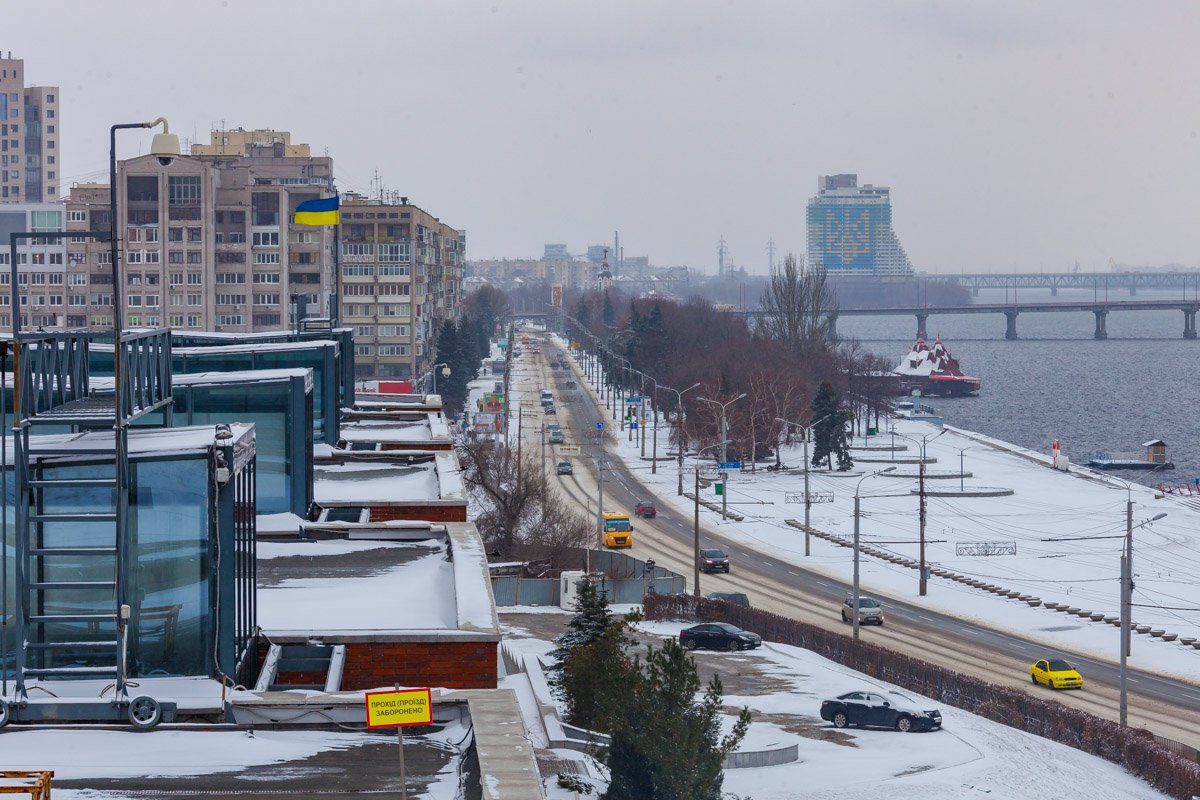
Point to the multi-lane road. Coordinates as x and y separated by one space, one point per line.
1166 706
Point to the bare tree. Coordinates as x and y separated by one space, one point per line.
796 306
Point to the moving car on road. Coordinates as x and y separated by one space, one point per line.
618 532
564 468
646 509
1055 673
870 612
718 636
556 437
880 710
737 598
714 561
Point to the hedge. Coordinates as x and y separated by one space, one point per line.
1134 749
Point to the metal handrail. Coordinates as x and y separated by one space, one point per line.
52 369
146 380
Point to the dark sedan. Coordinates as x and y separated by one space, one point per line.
880 710
718 636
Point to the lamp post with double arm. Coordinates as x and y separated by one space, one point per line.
857 514
681 436
806 430
724 442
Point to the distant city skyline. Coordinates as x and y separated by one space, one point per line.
1014 136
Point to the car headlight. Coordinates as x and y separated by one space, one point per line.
918 713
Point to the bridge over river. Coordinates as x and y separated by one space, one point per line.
1100 310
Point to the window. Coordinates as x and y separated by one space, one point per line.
55 258
175 278
175 257
230 319
231 258
395 310
151 256
193 234
266 277
359 310
77 279
77 216
364 350
100 299
364 330
357 270
395 349
394 289
194 300
393 269
174 234
195 278
231 277
193 321
135 301
152 300
394 251
266 258
133 257
183 190
176 320
231 299
359 289
195 257
266 239
55 278
269 299
266 320
176 299
45 221
358 250
39 278
77 300
393 330
134 278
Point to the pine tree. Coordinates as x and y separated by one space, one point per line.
592 618
666 745
590 661
608 313
829 434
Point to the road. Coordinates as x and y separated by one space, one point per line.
1166 706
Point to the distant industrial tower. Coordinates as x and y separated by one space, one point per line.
850 229
722 251
771 254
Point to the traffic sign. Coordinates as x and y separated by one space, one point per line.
633 424
729 465
599 426
633 400
568 450
398 708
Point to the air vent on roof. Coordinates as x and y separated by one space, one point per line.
344 514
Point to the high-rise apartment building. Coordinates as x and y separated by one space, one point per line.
30 133
850 229
208 241
401 277
46 288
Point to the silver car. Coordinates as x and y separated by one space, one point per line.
870 612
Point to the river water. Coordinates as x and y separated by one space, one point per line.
1057 382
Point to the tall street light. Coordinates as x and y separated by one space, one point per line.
445 373
679 427
807 431
696 525
962 475
724 442
857 514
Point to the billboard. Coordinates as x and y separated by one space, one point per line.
556 292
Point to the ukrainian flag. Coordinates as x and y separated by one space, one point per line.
318 212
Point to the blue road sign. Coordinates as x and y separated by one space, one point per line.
633 400
729 465
599 426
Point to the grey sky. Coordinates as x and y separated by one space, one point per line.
1013 135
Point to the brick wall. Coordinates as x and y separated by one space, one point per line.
453 665
417 446
455 513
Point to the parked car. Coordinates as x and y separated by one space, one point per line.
880 710
714 561
870 612
718 636
737 598
565 468
1055 673
570 384
646 510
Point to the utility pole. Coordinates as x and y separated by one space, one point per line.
696 537
771 254
721 252
923 584
600 498
1126 608
807 497
543 442
520 416
856 598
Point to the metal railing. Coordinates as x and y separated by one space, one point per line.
146 369
52 369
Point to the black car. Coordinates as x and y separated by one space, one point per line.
737 598
880 710
718 636
714 561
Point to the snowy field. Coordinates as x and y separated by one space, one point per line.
969 757
1067 530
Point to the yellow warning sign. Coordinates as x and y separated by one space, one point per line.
398 708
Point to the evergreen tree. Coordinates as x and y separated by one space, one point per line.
590 661
608 313
666 745
829 434
592 618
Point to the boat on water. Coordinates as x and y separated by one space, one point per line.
934 371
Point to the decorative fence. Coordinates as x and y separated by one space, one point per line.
1169 768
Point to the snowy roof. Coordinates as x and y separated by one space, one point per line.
425 476
142 441
1154 442
414 426
105 383
417 580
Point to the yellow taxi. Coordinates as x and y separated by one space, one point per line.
1055 673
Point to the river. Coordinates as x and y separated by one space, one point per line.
1057 382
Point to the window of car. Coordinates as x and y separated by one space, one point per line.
1058 665
852 696
902 697
1040 665
712 553
725 627
866 602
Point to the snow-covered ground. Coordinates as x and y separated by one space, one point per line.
1067 530
969 757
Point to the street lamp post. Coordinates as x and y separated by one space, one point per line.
682 439
961 472
724 442
807 431
445 374
696 524
857 514
923 577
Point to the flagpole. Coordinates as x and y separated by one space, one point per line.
335 312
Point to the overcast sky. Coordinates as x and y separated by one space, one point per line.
1014 135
